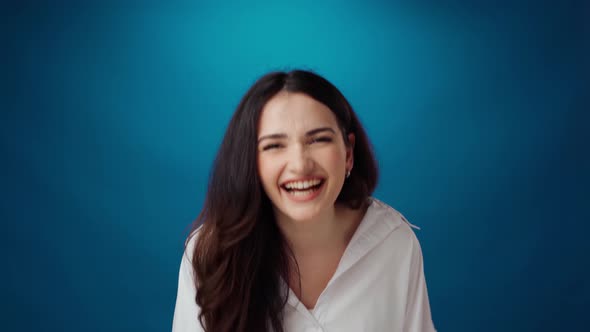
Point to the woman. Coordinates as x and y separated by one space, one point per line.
289 238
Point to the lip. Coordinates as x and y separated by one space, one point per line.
303 198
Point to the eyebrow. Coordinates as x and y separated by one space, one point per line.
309 133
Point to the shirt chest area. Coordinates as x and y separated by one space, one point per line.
368 297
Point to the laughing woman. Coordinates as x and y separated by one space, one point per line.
289 238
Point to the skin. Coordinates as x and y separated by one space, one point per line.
299 139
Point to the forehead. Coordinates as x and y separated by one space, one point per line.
294 113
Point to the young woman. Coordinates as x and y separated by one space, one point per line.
289 238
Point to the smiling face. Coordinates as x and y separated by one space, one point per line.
302 157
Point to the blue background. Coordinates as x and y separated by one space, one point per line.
112 113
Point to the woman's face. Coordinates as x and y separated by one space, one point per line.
302 157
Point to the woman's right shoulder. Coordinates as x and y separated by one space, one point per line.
186 310
189 244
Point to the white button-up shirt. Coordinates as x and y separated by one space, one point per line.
378 286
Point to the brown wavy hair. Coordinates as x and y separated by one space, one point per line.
240 255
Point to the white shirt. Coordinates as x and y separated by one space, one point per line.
378 286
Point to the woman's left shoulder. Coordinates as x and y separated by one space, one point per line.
403 230
390 214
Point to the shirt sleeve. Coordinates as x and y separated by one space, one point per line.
418 316
186 310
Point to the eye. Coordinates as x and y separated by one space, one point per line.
271 146
321 139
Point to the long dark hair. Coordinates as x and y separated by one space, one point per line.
240 255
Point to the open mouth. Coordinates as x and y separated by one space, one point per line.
303 189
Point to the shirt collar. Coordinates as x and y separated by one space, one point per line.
378 222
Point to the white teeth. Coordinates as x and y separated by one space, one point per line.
302 193
302 184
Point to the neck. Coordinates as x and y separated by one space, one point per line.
326 233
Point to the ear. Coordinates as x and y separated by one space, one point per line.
350 152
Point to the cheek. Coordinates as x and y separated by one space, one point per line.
334 159
267 171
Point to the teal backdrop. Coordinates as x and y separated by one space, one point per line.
112 113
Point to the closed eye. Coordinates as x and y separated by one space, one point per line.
321 139
271 146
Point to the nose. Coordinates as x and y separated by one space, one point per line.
300 162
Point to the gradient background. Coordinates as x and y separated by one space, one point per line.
112 113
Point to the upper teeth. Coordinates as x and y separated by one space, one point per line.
302 184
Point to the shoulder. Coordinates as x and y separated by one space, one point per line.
402 235
186 310
187 273
189 246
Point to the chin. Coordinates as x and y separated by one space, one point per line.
302 214
301 218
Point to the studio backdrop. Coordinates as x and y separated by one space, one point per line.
112 113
